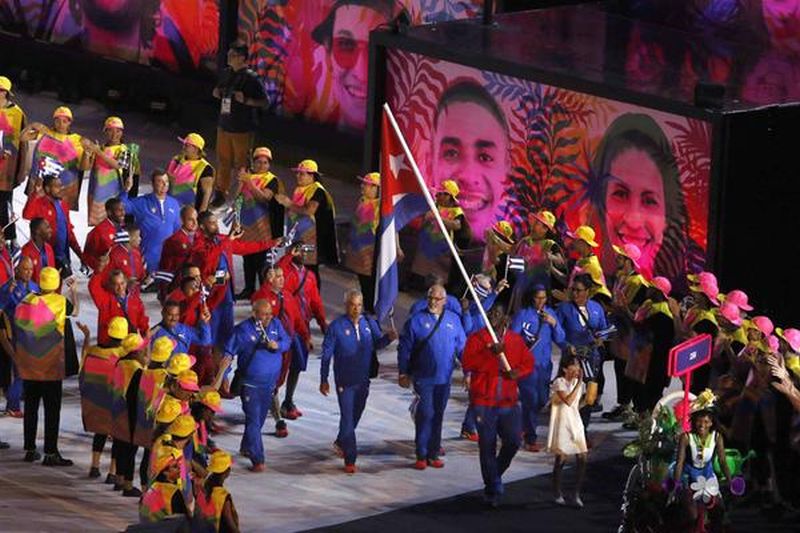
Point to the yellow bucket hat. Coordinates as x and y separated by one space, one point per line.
169 410
545 217
372 178
262 151
219 462
50 279
307 165
118 328
450 187
5 84
585 234
162 349
211 399
113 122
180 362
194 139
182 427
167 454
63 111
133 343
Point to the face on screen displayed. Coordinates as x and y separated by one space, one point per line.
350 61
635 204
470 147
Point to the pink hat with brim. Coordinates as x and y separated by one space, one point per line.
189 385
663 284
764 325
773 343
631 251
708 288
730 313
791 336
739 299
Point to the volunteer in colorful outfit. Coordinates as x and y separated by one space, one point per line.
125 392
494 396
258 344
214 509
58 145
95 382
628 293
541 254
105 233
191 177
429 344
214 254
180 334
46 201
499 244
260 214
539 327
310 217
11 294
584 244
581 318
105 180
156 213
12 122
163 498
361 245
700 318
350 342
301 283
38 249
40 358
433 254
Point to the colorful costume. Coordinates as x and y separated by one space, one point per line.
318 230
64 150
12 122
105 182
184 178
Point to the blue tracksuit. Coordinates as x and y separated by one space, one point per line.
222 314
260 369
430 369
351 348
9 299
472 322
534 389
156 224
182 335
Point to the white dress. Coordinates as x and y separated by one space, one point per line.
566 435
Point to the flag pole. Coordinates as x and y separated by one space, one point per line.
445 232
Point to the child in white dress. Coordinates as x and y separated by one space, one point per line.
567 436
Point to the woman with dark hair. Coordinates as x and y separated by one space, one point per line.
640 201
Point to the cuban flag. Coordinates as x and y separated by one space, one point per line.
402 200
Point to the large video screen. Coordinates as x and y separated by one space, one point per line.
312 56
515 146
179 35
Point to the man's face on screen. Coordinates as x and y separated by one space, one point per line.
471 147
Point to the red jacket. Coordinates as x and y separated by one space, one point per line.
42 207
291 318
6 266
308 295
206 253
99 241
176 252
129 261
30 250
481 362
191 305
108 307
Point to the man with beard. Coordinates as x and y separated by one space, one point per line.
157 214
46 202
117 28
470 146
182 335
214 254
102 237
38 249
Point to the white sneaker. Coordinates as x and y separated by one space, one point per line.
560 500
578 501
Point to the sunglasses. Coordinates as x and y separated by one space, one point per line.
347 50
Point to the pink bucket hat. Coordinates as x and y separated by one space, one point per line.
773 343
631 251
764 325
702 277
791 336
739 299
707 286
663 284
730 313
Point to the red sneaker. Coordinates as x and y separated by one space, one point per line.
436 463
281 431
297 412
534 448
350 469
290 413
260 467
420 464
15 413
471 436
